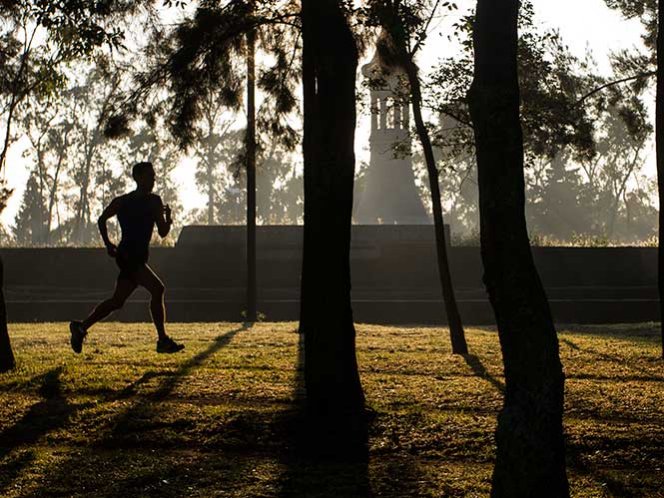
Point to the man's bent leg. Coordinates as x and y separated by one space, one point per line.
147 278
123 289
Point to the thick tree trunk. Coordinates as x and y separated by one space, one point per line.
457 334
326 320
659 140
530 459
7 361
251 178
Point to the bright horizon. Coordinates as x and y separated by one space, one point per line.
607 32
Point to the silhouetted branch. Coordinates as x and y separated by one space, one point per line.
172 67
614 83
426 27
457 118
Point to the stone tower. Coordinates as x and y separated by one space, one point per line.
388 194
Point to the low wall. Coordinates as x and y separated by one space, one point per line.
394 278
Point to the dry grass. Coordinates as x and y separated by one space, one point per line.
120 420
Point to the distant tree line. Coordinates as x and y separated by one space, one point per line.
585 155
586 187
74 169
601 200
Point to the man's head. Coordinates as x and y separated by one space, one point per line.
143 174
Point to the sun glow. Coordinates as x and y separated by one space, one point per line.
587 25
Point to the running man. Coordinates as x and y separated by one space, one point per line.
137 213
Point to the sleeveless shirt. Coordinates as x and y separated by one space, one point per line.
136 223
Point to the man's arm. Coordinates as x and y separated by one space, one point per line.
162 217
110 211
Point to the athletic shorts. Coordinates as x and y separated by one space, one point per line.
129 265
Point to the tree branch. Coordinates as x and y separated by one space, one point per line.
425 29
614 83
457 118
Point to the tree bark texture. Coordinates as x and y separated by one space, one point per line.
326 319
530 460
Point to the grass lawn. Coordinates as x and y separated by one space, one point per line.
120 420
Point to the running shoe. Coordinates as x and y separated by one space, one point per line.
78 334
168 345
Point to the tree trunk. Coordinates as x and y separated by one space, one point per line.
83 204
394 25
54 190
7 361
659 141
326 319
8 126
457 334
40 238
251 177
210 187
530 459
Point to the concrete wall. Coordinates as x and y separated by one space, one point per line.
394 279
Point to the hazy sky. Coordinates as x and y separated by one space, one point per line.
582 23
589 23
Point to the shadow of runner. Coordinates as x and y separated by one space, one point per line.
326 456
67 474
480 370
173 377
219 342
130 390
52 412
124 422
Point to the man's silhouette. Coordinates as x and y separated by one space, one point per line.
137 213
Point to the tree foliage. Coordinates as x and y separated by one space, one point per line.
569 129
201 57
37 39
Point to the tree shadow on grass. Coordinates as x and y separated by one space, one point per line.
13 466
329 456
641 373
326 455
480 370
125 423
614 486
71 474
597 354
51 413
245 451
